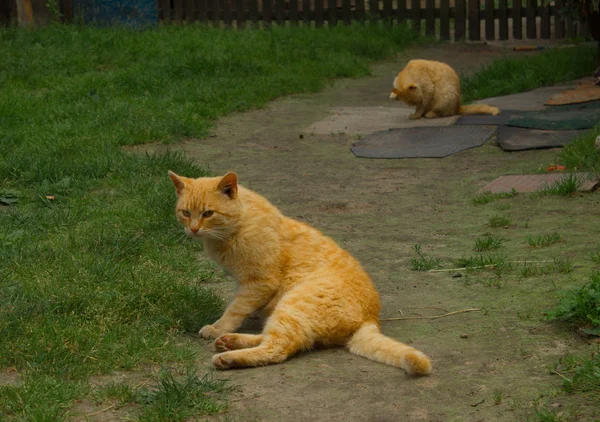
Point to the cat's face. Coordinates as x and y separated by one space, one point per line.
410 93
207 207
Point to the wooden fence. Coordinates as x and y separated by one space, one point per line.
473 20
446 19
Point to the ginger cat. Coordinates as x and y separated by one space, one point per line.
434 88
312 291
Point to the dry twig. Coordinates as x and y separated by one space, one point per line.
432 316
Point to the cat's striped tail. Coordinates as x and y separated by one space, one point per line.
370 343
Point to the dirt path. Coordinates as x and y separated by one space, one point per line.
489 365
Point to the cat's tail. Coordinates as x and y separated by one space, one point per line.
478 109
370 343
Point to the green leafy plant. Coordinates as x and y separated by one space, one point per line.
423 262
581 306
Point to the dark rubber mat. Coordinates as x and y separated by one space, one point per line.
574 119
422 142
487 119
519 139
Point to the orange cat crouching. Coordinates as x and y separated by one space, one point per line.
311 290
434 88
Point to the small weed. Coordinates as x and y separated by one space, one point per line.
174 400
558 265
580 306
563 265
488 242
498 221
595 255
544 240
545 415
423 263
498 397
580 373
487 197
502 207
567 185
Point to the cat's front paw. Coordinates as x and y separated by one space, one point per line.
209 332
414 116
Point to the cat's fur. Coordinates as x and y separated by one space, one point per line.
312 291
434 88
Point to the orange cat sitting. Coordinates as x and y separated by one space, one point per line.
312 291
434 88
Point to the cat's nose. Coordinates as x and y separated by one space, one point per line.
194 229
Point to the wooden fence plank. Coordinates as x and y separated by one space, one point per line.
306 12
267 12
531 22
165 10
445 19
216 13
503 19
474 31
571 28
545 22
415 12
332 12
517 15
430 18
460 22
240 13
178 10
490 27
65 8
583 31
227 13
190 10
293 13
386 13
201 6
279 6
346 12
374 9
318 13
360 9
559 22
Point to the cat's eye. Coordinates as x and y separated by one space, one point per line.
207 214
186 213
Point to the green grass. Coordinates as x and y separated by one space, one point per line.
567 185
512 75
581 306
95 274
487 197
483 262
499 221
423 262
580 373
581 154
488 242
544 240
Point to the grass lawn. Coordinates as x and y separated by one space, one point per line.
509 75
95 274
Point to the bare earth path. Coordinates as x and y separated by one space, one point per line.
489 365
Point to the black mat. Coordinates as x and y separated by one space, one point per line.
518 139
422 142
487 119
557 119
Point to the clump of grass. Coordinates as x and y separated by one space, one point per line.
595 255
488 242
558 265
581 153
580 373
496 221
547 415
498 397
544 240
566 185
423 262
511 75
179 400
487 197
581 306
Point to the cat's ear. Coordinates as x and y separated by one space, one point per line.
412 87
178 181
229 185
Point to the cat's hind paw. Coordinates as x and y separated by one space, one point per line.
223 361
224 343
